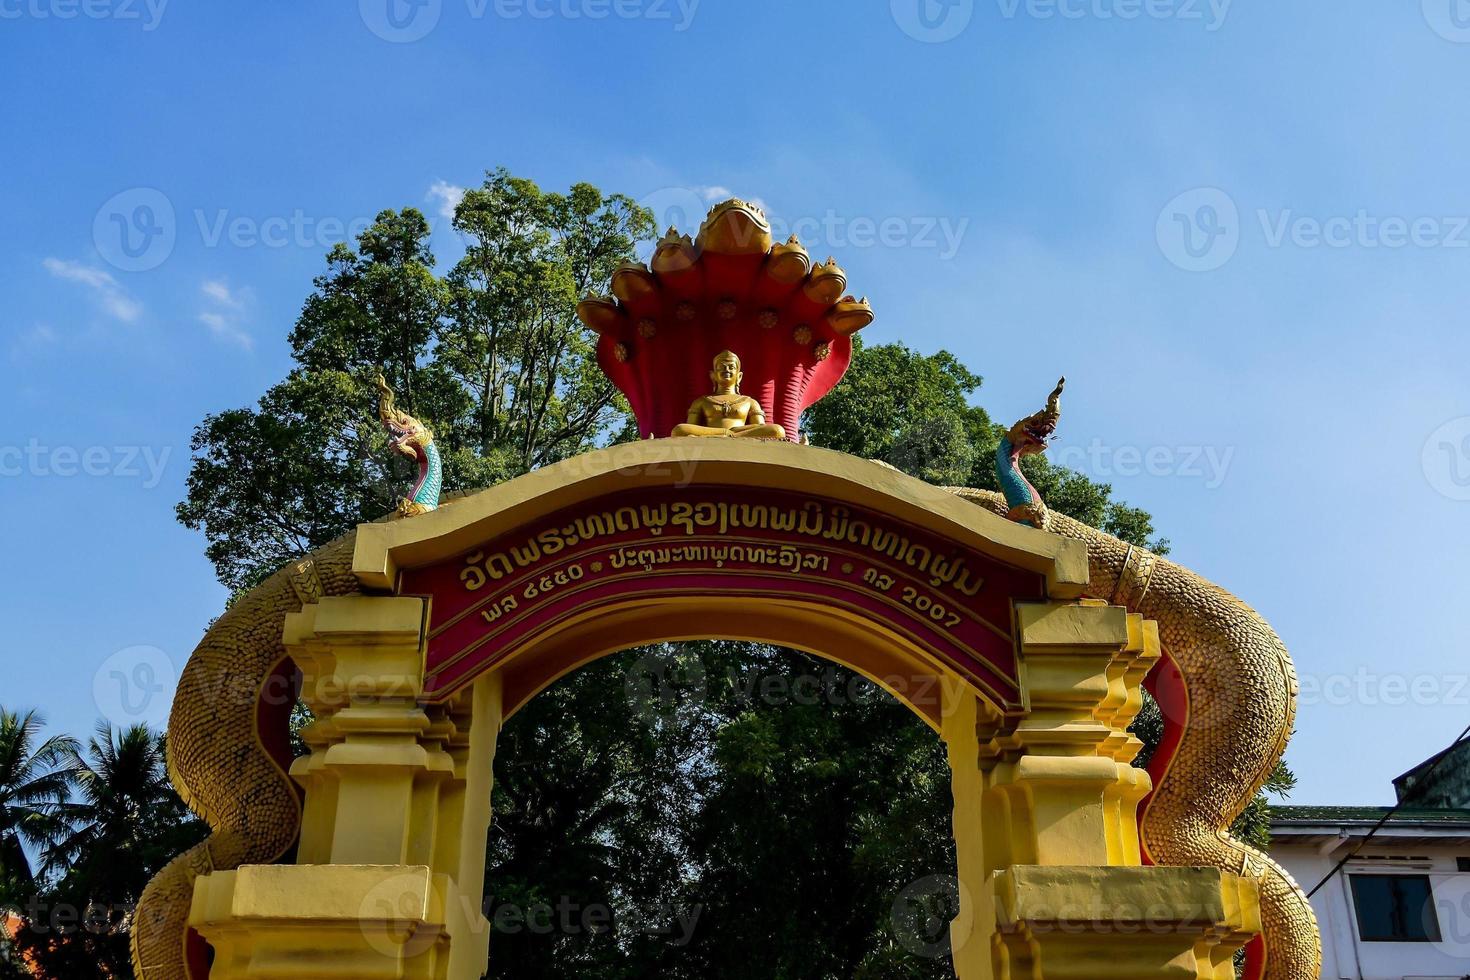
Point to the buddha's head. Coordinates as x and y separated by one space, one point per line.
726 374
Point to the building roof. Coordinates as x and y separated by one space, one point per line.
1323 825
1364 814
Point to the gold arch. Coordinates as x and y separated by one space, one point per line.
397 786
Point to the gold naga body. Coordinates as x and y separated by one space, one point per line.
728 413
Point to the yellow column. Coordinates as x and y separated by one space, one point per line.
1046 821
391 861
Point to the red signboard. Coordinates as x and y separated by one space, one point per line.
950 601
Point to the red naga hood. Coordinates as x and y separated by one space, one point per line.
729 289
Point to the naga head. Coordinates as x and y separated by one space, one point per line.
407 434
1030 435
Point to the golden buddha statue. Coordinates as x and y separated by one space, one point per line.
727 412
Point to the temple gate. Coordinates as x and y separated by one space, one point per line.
1025 647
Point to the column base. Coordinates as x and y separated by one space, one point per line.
1093 923
313 922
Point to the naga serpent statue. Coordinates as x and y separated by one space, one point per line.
1227 721
412 438
1235 678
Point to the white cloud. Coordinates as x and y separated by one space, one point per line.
225 323
39 337
104 288
220 292
448 195
224 328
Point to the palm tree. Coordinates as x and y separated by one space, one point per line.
35 783
125 820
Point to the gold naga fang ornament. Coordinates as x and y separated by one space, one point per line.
1026 648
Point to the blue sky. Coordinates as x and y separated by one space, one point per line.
1241 230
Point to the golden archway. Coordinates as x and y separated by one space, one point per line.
411 658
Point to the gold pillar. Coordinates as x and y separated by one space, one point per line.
391 861
1046 826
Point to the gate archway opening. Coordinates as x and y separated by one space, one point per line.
797 763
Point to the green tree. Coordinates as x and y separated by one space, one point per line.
35 784
124 822
491 356
104 820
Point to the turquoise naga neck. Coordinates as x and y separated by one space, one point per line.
1020 495
431 478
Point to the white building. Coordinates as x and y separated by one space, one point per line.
1400 908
